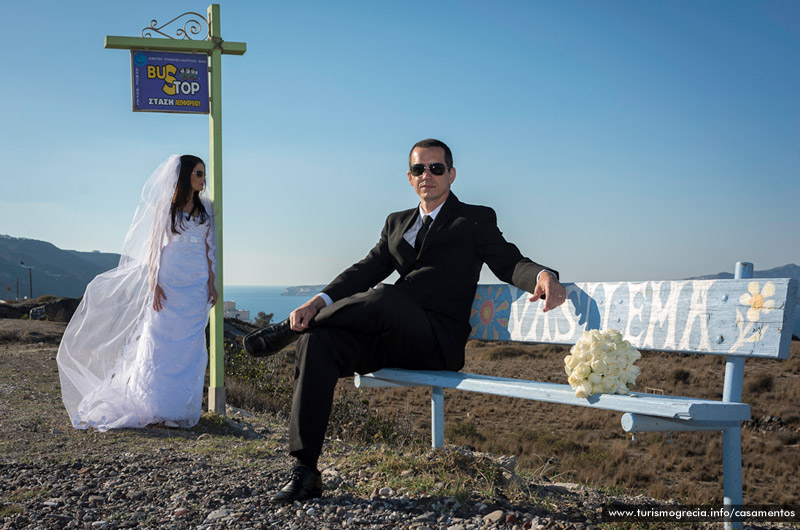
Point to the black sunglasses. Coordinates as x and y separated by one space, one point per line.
199 173
437 168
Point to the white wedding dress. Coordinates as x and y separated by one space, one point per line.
127 366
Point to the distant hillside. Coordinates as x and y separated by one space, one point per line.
786 271
55 271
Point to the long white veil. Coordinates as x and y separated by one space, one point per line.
107 324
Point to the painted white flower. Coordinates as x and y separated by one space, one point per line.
757 301
601 362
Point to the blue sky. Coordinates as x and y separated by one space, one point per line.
617 140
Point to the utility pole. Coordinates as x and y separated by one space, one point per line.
30 278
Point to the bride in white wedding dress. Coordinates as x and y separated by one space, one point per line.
135 352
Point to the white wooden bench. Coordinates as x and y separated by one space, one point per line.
737 318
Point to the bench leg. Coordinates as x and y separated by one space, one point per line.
732 471
437 416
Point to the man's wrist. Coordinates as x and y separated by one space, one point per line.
546 270
326 300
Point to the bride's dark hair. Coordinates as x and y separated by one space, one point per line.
183 194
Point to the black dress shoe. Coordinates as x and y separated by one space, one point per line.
269 340
305 483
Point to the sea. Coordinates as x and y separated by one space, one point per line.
266 298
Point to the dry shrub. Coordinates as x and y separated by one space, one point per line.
782 400
8 336
464 433
354 419
267 384
777 470
665 371
775 444
589 418
35 336
245 396
543 440
498 353
791 418
529 444
762 383
45 298
464 472
713 453
658 490
635 475
689 493
553 350
680 376
263 384
619 452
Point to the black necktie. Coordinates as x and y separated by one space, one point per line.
426 224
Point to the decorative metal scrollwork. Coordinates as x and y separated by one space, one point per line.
191 26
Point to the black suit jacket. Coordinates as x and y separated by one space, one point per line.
443 275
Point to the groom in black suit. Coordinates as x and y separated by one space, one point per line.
357 324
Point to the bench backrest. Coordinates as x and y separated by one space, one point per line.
749 318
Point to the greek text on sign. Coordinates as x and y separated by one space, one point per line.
169 82
746 319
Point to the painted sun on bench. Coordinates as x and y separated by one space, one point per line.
757 301
493 308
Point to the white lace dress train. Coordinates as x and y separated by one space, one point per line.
161 376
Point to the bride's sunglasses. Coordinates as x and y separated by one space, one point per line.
437 168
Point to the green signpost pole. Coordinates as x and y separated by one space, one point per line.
214 47
216 384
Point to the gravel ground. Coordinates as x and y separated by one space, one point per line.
222 473
167 490
171 488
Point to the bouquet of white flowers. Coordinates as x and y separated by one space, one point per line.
601 362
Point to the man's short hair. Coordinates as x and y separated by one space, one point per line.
432 142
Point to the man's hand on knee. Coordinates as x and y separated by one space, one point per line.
302 316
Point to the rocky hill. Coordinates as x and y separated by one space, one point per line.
302 290
55 271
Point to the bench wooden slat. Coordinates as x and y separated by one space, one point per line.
720 317
677 407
